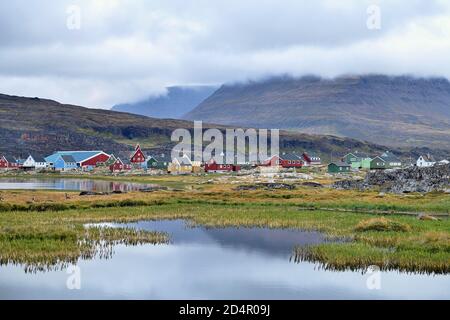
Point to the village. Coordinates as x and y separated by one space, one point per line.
138 162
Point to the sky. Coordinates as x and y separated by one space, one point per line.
98 53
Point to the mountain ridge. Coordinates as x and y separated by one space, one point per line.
401 111
178 101
41 126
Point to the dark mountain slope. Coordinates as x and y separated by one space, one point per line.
398 111
176 103
40 127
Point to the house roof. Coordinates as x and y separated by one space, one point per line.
311 154
183 161
68 159
162 158
360 155
79 156
9 159
429 158
37 159
389 157
340 164
290 156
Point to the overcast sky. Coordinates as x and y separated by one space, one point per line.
126 50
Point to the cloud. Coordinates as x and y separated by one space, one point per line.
128 49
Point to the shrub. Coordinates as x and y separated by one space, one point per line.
381 224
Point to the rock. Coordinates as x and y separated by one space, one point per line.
413 179
266 186
91 193
425 217
153 189
312 184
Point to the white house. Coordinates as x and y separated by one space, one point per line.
35 163
426 161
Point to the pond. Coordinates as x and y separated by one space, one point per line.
211 263
68 184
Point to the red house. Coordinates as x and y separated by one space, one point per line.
4 163
138 157
213 167
286 161
119 166
93 161
8 163
311 160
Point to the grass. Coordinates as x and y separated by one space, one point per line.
45 228
381 225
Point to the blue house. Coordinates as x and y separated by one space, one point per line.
65 163
86 160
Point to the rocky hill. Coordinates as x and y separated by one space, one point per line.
397 111
40 126
173 105
413 179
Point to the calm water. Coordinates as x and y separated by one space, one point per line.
68 185
203 263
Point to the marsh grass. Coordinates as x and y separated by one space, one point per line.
50 231
381 225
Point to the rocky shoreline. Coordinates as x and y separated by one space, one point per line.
408 180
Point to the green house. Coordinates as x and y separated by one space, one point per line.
386 161
391 160
377 163
158 162
350 158
357 160
112 159
339 167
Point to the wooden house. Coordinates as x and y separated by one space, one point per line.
180 165
65 163
426 161
36 163
339 167
357 160
86 160
112 159
285 161
160 162
8 163
120 166
213 167
378 163
4 163
310 159
138 158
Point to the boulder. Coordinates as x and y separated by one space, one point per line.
408 180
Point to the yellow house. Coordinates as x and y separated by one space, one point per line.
180 165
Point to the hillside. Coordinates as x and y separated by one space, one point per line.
40 126
397 111
176 103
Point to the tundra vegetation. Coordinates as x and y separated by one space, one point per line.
47 229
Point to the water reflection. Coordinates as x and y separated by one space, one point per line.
70 185
202 263
279 242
